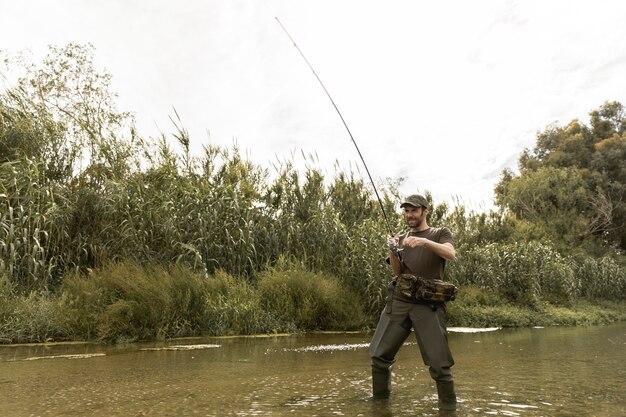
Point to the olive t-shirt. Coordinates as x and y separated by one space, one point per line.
422 261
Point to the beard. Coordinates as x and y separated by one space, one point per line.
415 222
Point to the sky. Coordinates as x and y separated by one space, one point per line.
443 94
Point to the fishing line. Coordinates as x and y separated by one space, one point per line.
382 208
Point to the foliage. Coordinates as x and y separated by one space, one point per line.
476 307
31 318
572 184
601 278
104 234
63 113
310 300
61 138
519 272
235 307
129 302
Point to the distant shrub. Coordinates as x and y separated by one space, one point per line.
125 301
522 272
28 318
309 300
601 278
233 307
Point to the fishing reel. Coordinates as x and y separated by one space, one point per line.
394 245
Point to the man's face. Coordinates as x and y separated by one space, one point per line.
414 216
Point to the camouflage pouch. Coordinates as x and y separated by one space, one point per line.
406 285
435 290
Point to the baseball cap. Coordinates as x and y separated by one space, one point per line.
415 200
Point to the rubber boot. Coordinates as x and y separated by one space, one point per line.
381 382
447 397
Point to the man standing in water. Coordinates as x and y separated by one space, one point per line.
421 252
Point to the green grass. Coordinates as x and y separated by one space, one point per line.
310 301
476 307
126 302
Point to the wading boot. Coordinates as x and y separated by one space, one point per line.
447 397
381 382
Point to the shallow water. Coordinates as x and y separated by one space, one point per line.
577 371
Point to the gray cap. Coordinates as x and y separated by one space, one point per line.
415 200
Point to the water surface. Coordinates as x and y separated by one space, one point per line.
569 371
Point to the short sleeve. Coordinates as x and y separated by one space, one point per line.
445 236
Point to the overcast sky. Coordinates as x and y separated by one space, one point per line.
444 93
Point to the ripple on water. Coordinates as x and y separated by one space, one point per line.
472 329
332 348
329 348
184 347
76 356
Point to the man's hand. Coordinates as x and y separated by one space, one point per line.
445 250
392 242
414 241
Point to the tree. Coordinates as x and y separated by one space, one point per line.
70 107
573 181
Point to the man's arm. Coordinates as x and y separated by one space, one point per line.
394 261
445 250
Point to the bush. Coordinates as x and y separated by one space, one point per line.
601 278
29 318
125 301
490 316
234 307
521 272
311 301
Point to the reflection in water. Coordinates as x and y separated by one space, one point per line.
506 372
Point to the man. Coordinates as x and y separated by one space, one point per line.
421 252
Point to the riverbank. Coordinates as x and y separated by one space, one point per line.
579 313
477 307
48 319
127 302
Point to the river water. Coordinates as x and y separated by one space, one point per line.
556 371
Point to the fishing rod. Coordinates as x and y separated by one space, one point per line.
382 208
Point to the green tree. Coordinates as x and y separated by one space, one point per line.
80 134
573 182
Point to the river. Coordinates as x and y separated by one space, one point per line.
556 371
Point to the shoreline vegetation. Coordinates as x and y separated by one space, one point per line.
108 236
128 303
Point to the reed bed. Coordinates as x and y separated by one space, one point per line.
104 234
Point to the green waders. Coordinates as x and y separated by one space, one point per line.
394 326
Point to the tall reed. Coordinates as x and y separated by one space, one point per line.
73 201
